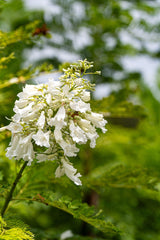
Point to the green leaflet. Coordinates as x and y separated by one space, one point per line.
15 233
20 34
122 177
8 40
5 60
79 211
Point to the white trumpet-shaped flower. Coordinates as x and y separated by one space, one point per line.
41 120
69 170
85 96
77 134
80 106
97 120
52 119
58 120
41 138
21 147
70 150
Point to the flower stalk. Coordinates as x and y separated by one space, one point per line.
10 193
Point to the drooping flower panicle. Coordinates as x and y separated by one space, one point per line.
51 119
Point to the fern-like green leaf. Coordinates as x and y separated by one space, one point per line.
79 211
14 233
20 34
122 177
5 60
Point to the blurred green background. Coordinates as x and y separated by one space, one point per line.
122 174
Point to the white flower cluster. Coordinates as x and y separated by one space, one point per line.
51 120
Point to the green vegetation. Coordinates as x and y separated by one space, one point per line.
120 194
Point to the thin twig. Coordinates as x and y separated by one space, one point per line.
10 193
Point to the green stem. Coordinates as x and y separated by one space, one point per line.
10 193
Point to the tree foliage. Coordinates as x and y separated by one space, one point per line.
119 198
